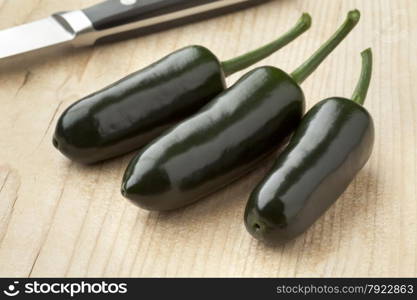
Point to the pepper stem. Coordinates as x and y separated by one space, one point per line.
305 70
246 60
359 95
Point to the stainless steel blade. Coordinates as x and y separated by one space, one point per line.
75 28
32 36
59 29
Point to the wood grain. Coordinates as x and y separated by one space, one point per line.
58 218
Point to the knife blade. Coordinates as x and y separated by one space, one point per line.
106 19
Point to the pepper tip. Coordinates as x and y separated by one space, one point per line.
306 20
354 15
366 52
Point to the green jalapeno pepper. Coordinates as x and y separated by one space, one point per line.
227 138
131 112
332 144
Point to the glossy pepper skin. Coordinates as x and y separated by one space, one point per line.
131 112
332 144
219 144
227 138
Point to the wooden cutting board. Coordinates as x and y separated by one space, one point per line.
58 218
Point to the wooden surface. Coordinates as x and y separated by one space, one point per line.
58 218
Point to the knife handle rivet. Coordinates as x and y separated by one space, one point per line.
128 2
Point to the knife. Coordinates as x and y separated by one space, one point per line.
105 20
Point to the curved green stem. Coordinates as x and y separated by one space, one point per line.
359 95
246 60
305 70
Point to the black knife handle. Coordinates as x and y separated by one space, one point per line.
113 13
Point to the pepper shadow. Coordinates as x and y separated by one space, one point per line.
334 227
227 202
